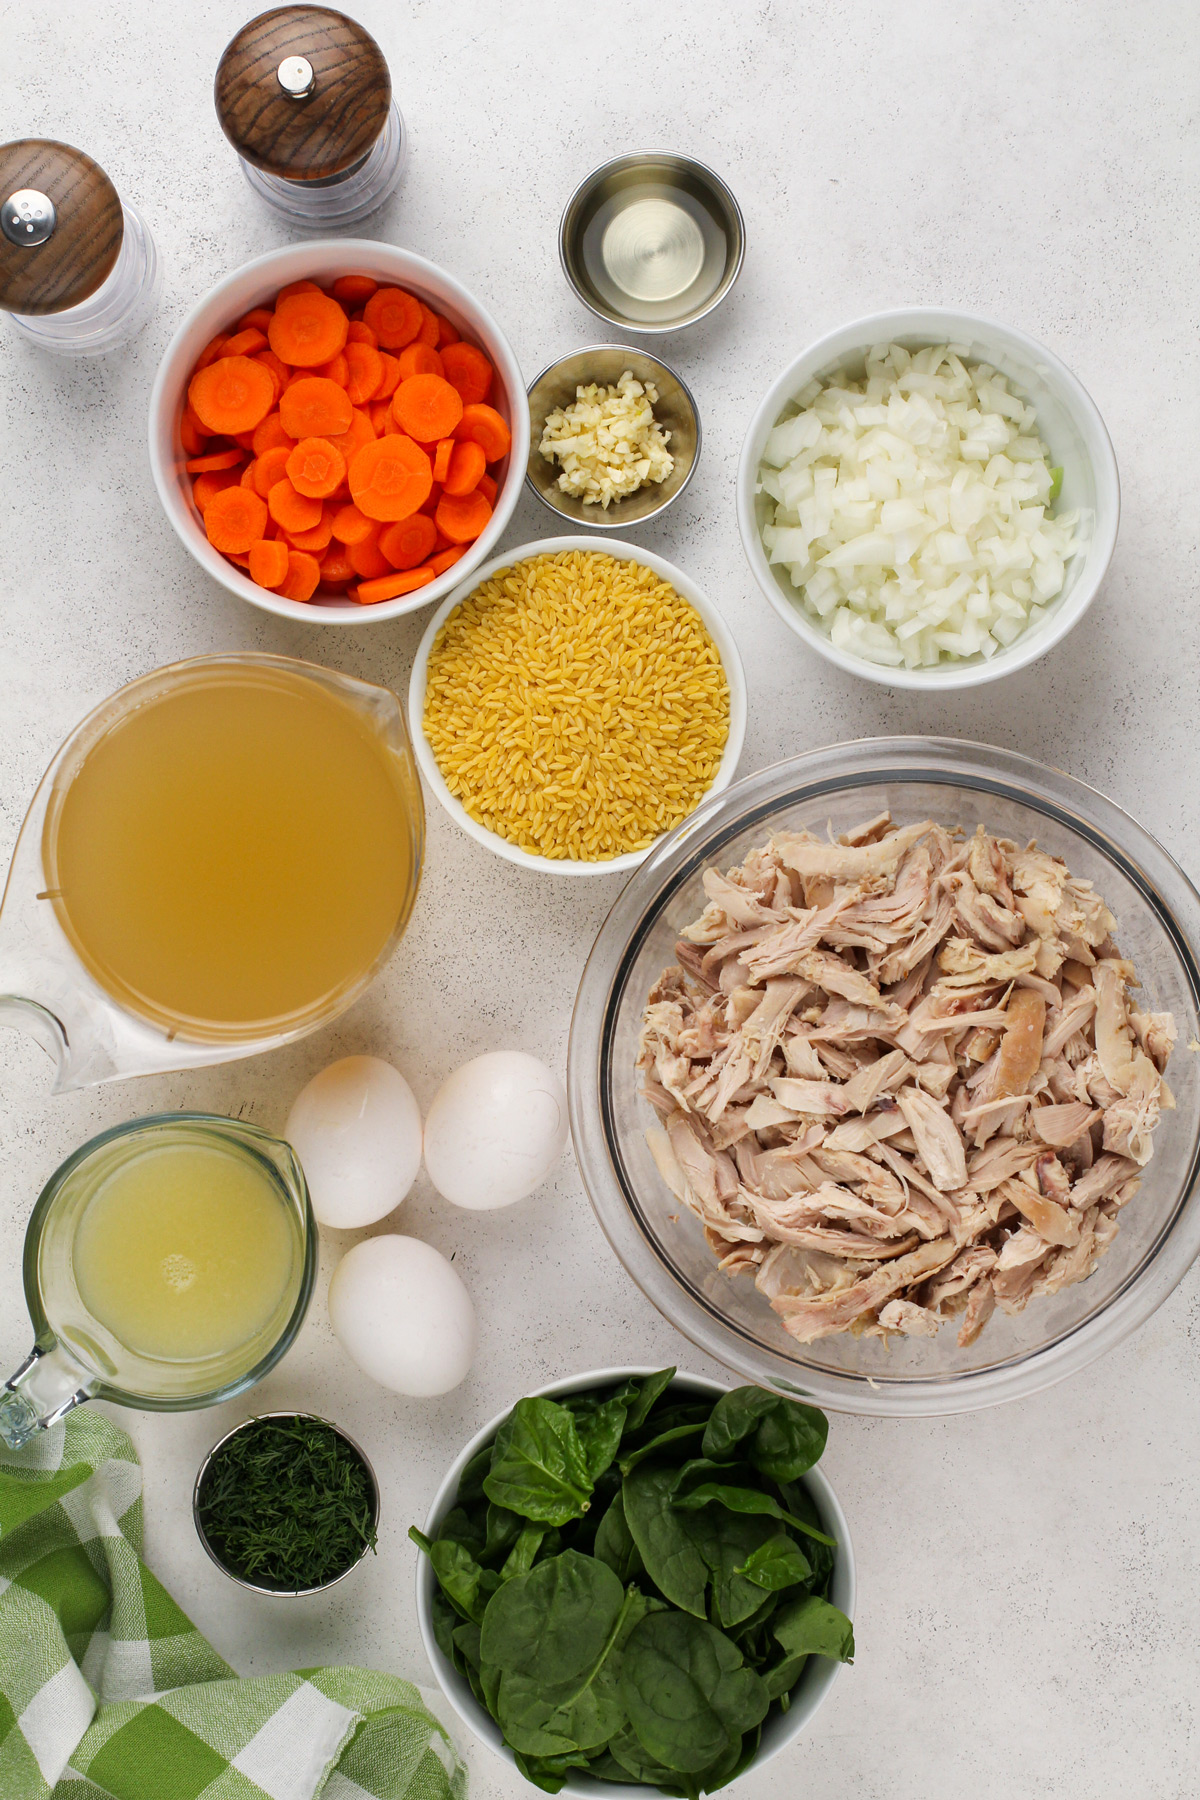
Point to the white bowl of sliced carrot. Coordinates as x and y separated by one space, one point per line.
338 430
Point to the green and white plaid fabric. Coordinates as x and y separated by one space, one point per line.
108 1692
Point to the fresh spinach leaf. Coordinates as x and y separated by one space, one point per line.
523 1554
778 1563
464 1528
502 1530
583 1713
733 1418
677 1434
470 1484
549 1772
538 1465
465 1584
600 1435
820 1552
466 1638
665 1540
553 1623
790 1439
649 1390
743 1500
687 1690
729 1540
814 1627
782 1677
445 1622
634 1760
614 1543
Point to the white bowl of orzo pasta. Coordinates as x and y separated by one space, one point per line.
575 701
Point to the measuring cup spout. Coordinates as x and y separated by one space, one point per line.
45 1388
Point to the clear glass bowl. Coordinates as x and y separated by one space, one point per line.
659 1241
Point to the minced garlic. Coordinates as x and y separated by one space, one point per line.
608 442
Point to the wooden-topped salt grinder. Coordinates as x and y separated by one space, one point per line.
304 96
78 268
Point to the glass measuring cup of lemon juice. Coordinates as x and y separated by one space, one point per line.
168 1265
220 858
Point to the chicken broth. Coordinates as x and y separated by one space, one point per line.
901 1079
233 856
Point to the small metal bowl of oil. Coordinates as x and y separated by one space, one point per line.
674 409
652 241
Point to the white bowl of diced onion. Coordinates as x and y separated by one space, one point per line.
942 563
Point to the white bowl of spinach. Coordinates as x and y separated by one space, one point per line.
638 1579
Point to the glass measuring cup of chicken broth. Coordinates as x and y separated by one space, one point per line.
220 858
168 1265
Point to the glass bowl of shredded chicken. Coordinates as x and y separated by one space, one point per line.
885 1076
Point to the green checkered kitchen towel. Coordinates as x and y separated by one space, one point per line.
108 1692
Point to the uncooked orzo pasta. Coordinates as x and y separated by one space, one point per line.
576 705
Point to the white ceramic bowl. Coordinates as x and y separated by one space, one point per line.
259 281
780 1729
683 585
1067 420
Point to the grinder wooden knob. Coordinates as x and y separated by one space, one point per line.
61 226
303 93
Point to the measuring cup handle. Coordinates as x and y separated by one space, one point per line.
41 1392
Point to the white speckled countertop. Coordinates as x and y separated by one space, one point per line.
1029 1589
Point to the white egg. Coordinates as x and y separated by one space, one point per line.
356 1128
402 1313
496 1128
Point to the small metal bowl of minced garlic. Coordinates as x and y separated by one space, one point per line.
286 1504
614 437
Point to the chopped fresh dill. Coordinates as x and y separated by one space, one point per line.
287 1503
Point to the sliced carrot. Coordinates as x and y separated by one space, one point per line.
351 526
318 538
394 316
338 370
354 290
234 519
192 434
295 512
468 370
308 329
314 406
391 376
268 562
446 559
442 542
279 370
441 459
247 477
210 352
486 485
336 567
232 394
390 477
462 516
428 333
271 467
447 333
427 407
430 504
315 467
483 425
244 441
303 574
419 359
246 343
205 486
297 287
257 319
361 432
367 559
365 372
390 587
379 412
270 434
215 459
409 541
468 465
361 333
235 556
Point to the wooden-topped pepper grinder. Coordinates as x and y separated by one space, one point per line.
78 268
304 96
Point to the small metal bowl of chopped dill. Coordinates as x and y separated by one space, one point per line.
286 1504
614 436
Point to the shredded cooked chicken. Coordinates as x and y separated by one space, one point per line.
900 1078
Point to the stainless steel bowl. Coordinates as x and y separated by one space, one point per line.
675 410
689 186
257 1587
661 1243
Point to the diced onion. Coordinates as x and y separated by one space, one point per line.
913 509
